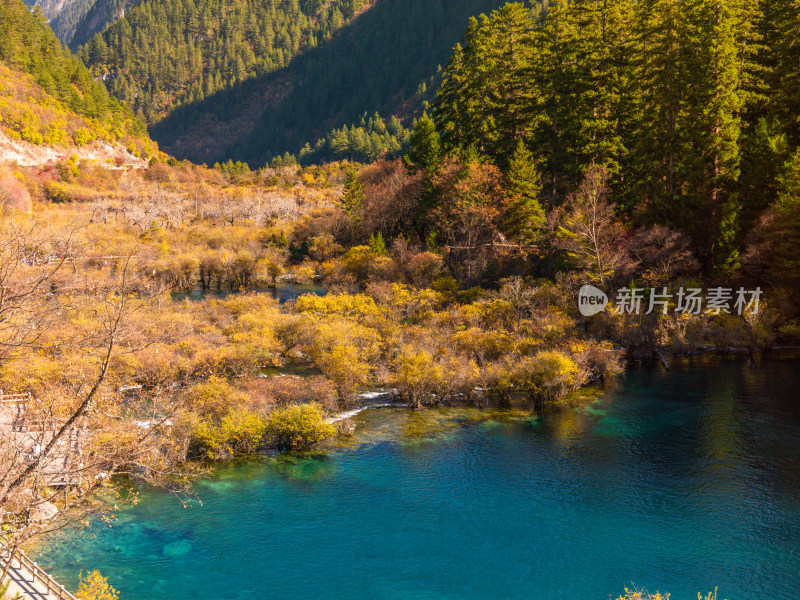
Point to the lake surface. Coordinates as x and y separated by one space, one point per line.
680 481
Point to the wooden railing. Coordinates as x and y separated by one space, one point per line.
53 589
14 398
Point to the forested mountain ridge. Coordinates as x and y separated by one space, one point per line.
397 47
75 22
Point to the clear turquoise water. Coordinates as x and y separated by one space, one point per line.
678 481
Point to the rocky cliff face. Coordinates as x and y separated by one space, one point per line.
99 15
51 8
76 21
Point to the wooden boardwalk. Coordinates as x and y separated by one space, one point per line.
28 579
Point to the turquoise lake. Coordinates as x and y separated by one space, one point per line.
678 481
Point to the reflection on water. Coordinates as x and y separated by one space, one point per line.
282 293
681 481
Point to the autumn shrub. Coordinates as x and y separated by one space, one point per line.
680 334
269 269
56 134
298 427
637 594
82 136
642 595
482 345
416 375
214 398
336 304
748 331
29 134
344 364
176 272
304 274
447 286
231 360
287 390
411 304
240 431
550 375
344 350
599 360
383 268
253 336
153 366
633 331
323 247
423 269
67 192
357 262
38 371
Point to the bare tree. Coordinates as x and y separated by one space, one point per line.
32 261
64 442
589 230
520 296
662 253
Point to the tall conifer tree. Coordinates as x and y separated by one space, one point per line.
524 215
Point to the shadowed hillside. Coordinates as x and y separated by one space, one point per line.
376 63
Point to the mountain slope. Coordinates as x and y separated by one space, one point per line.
51 8
375 64
68 18
166 53
49 98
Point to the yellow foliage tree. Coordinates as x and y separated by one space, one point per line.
94 586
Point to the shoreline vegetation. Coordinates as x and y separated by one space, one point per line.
101 331
196 371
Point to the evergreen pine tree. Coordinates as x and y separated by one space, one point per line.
524 215
555 67
506 54
353 197
425 152
604 47
376 244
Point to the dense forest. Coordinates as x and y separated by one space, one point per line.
75 22
634 145
69 18
688 107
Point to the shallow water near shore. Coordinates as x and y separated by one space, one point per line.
678 481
